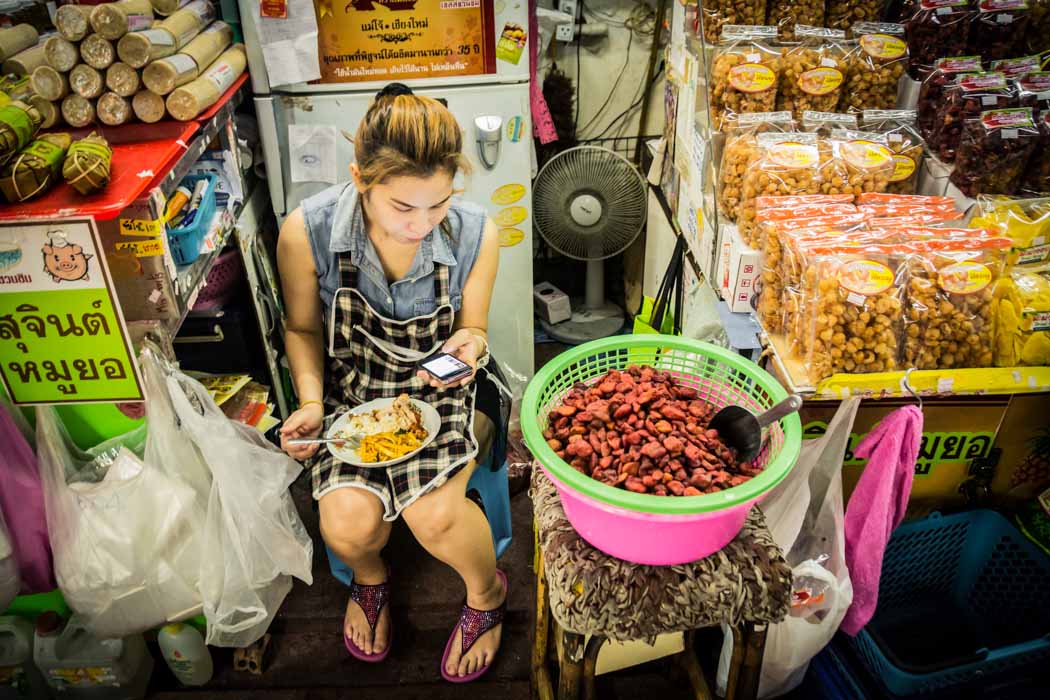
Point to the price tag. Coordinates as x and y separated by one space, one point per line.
1009 134
856 299
945 384
143 249
141 227
988 100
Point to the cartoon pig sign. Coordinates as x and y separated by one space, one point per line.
65 261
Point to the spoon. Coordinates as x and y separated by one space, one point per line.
740 429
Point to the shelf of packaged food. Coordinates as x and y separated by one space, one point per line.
793 374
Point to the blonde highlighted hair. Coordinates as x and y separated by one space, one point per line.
407 135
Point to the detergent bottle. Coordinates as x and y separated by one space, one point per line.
185 653
19 678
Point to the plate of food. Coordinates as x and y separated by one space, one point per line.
384 431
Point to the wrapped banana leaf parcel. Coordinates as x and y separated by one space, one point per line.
87 164
35 169
19 123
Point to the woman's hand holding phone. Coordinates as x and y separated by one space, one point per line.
463 345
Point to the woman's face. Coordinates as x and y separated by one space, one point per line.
408 208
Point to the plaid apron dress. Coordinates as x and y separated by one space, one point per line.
375 357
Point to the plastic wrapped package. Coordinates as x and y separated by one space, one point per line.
745 73
934 84
999 28
950 315
814 71
875 66
938 28
1037 174
903 140
1023 318
846 14
1038 25
1016 67
718 13
965 99
823 123
890 198
890 210
741 148
866 159
1033 90
1026 222
994 151
791 14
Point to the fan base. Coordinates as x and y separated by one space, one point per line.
586 324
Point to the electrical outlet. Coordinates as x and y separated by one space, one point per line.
568 7
565 32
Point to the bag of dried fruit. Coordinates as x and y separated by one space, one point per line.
745 72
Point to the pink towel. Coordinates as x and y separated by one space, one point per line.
877 506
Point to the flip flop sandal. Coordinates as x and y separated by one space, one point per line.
372 599
473 623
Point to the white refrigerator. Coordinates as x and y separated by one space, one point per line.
476 54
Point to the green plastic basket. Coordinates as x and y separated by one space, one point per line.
720 377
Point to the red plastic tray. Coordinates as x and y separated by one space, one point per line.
140 153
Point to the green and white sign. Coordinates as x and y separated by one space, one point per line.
62 334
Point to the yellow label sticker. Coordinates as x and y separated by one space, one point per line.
141 227
964 278
752 77
903 168
883 46
865 277
143 249
511 216
792 154
508 194
509 237
820 81
866 155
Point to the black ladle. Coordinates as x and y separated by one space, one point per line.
741 429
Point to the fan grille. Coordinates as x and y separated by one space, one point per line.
603 174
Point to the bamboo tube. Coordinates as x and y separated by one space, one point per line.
114 20
148 106
61 54
98 52
165 75
16 39
166 7
112 109
139 48
49 83
123 79
73 21
189 100
48 110
25 62
86 81
87 164
78 111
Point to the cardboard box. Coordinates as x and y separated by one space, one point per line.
738 270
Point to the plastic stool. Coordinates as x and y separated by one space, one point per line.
493 488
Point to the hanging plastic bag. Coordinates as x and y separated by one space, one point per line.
10 583
805 516
253 537
22 503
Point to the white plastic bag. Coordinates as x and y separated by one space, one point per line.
805 516
10 582
254 540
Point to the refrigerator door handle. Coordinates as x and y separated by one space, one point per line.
488 134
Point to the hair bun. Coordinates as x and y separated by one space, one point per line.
394 90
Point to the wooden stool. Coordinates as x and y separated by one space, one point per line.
582 592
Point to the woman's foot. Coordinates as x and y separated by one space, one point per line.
366 625
487 618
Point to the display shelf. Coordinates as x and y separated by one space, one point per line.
949 382
190 279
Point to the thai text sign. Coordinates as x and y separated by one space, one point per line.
62 335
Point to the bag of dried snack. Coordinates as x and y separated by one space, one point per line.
745 72
904 141
1022 331
887 198
950 312
1037 174
993 152
1038 25
999 28
938 28
866 159
814 71
1033 90
741 148
965 99
875 66
718 13
844 14
1026 222
789 15
823 123
931 92
1016 67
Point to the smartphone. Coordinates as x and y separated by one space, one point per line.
446 368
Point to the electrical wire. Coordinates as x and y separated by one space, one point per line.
623 70
637 103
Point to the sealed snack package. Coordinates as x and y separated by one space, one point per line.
950 315
875 66
931 92
789 15
1037 174
904 141
1023 318
1033 90
965 99
814 71
823 123
745 72
999 28
1026 222
883 210
866 159
718 13
994 151
888 198
1016 67
938 28
844 14
741 148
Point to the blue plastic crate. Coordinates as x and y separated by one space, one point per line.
961 598
185 241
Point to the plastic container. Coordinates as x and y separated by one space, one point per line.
75 664
961 598
185 241
19 677
186 654
643 528
222 281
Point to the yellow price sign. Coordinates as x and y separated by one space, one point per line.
143 249
141 227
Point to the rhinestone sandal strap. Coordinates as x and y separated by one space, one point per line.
473 623
371 598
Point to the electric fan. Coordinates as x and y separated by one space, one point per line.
589 204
